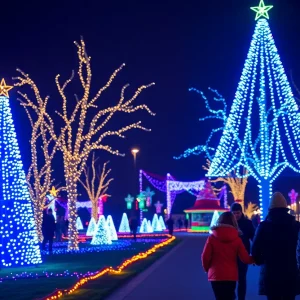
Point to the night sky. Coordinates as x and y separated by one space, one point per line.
177 45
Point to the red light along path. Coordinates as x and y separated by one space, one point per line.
179 275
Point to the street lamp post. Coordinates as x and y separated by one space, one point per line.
134 152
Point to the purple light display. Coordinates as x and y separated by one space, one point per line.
170 186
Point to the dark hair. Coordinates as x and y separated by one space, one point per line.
50 210
236 207
228 219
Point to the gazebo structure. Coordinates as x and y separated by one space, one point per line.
201 214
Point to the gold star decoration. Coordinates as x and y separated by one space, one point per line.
262 10
53 192
4 88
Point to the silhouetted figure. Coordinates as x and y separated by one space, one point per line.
48 229
60 227
179 223
248 231
186 224
170 225
255 220
276 242
133 226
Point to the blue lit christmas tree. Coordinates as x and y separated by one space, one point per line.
262 130
18 236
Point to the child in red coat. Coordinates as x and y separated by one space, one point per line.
220 256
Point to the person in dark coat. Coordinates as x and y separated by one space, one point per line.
248 231
179 223
48 229
170 225
275 247
186 224
133 224
255 220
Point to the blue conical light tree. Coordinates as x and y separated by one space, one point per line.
262 130
18 234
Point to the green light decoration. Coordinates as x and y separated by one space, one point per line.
141 198
262 10
129 199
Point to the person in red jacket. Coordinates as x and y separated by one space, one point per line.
219 257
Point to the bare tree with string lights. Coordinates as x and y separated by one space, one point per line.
85 127
96 184
43 149
237 184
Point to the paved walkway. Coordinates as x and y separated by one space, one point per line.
178 275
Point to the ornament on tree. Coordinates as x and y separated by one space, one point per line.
144 226
162 223
124 226
19 245
156 224
149 194
102 234
158 207
129 200
149 227
111 228
79 225
91 228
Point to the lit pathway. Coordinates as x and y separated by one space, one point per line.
178 275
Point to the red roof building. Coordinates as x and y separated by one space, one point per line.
203 210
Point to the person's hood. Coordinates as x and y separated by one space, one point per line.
277 201
225 233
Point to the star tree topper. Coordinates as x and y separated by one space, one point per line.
4 88
262 10
53 192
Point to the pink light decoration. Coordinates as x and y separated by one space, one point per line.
100 207
158 207
293 196
101 200
149 194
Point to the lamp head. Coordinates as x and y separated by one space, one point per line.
134 151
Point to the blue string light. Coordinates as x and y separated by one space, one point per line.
267 143
218 115
18 236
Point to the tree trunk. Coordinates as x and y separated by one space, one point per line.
71 187
38 216
95 210
265 193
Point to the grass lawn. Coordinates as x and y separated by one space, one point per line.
104 286
31 288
